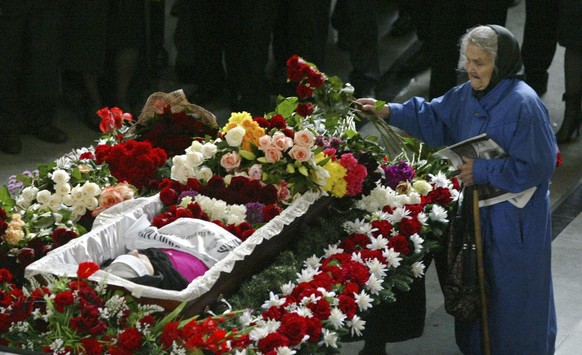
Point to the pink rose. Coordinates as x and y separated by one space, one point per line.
256 172
112 195
273 155
281 141
304 138
265 142
300 153
230 161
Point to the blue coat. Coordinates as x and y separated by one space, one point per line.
516 242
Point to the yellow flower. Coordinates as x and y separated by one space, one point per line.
252 129
336 183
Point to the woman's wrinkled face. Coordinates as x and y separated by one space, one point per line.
479 66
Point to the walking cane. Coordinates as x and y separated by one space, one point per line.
481 273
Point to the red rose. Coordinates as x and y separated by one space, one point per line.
294 327
304 109
400 244
86 269
278 122
271 211
315 78
272 342
62 236
273 312
440 195
409 226
304 91
25 256
262 122
5 276
313 329
87 156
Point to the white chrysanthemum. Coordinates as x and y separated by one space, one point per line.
377 243
358 226
398 214
377 268
376 200
392 258
57 345
357 257
284 350
303 311
332 249
439 180
329 339
273 301
363 300
356 325
43 196
287 288
438 214
325 293
234 136
306 275
374 285
60 176
422 218
312 262
417 240
236 214
194 159
208 150
91 189
29 193
337 318
246 318
418 269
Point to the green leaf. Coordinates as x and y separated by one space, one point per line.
6 200
287 106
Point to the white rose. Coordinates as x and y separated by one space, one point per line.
54 202
234 136
60 176
67 200
304 138
181 173
43 196
422 187
91 203
208 150
62 189
91 189
204 174
29 193
196 146
79 209
24 203
77 193
194 159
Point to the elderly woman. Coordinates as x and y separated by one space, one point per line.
516 241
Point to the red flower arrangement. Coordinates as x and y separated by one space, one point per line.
134 162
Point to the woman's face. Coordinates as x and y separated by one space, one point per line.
479 66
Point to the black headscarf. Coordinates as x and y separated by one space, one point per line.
508 63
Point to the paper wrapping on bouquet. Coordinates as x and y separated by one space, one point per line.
178 102
107 240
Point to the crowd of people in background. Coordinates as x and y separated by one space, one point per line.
98 53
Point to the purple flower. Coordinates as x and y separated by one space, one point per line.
190 193
255 212
397 173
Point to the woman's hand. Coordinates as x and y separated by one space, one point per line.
466 172
367 107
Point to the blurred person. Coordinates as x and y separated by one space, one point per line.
103 42
516 241
539 42
29 78
570 22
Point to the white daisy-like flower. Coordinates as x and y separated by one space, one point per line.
337 318
246 318
392 257
312 262
332 249
377 243
438 214
363 300
57 345
304 312
418 269
285 350
377 268
287 288
439 180
417 240
358 226
374 285
398 214
357 257
329 338
325 293
274 301
356 325
422 218
306 275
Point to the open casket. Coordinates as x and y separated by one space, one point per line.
106 241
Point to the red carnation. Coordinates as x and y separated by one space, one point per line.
170 334
304 109
63 299
92 346
278 122
168 196
130 339
400 244
271 211
294 327
409 226
440 195
62 236
272 342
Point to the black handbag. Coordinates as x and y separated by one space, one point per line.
461 286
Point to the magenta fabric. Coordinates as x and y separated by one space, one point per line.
189 266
